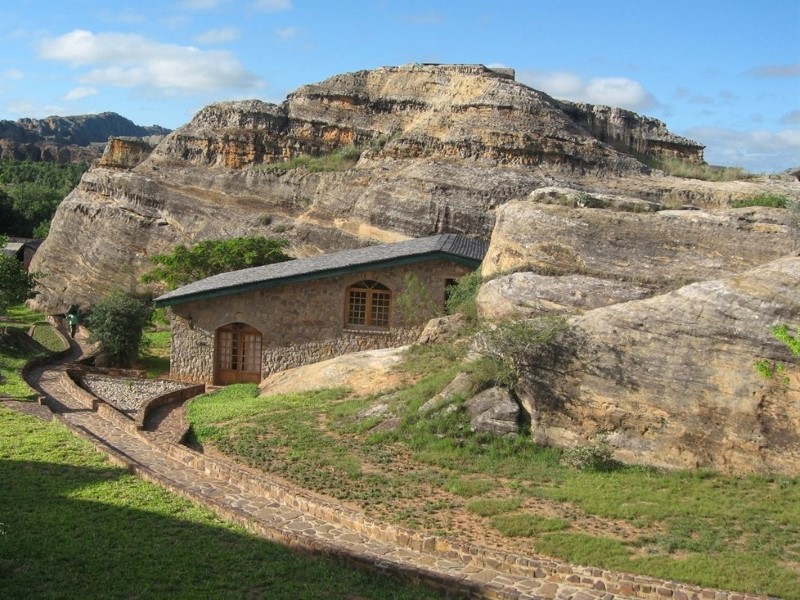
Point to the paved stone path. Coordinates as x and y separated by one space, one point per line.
300 519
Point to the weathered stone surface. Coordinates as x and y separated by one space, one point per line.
125 152
526 295
493 411
442 329
442 147
661 249
362 372
462 386
672 378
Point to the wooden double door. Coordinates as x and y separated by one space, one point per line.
238 354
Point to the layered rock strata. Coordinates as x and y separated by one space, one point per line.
438 149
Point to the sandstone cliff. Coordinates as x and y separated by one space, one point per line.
441 147
68 139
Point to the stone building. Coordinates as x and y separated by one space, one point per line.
244 325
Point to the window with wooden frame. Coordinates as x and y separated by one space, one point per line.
367 305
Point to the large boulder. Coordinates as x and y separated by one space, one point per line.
361 372
672 381
493 411
525 295
661 250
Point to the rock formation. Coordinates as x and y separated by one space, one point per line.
68 139
670 291
441 147
671 379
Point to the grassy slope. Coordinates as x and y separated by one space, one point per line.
13 359
740 533
72 525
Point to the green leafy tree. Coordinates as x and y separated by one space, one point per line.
31 191
16 284
116 322
211 257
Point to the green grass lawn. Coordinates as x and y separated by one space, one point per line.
74 526
12 358
738 533
155 355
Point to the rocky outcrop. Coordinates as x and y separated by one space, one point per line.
125 152
659 250
438 148
68 139
527 295
632 133
360 372
671 380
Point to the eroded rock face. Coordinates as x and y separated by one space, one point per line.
672 380
441 148
526 295
659 250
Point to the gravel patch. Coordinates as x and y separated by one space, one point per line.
127 394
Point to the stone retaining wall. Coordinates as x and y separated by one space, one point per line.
180 395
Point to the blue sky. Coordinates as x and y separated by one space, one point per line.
726 74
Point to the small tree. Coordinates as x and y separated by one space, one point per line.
16 284
461 296
116 322
185 265
526 347
415 302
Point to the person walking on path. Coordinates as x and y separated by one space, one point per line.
72 321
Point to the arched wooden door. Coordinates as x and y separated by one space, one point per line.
238 354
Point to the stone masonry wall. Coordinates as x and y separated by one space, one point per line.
303 322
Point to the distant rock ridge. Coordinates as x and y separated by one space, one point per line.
66 139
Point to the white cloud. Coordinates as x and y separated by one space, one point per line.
791 70
80 92
201 4
791 118
287 33
219 36
757 151
272 5
12 74
611 91
129 60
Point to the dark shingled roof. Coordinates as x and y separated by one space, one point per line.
448 246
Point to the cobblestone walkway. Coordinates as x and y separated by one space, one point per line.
297 518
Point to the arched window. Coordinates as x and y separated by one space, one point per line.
368 304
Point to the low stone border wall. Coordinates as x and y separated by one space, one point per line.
45 359
638 586
180 395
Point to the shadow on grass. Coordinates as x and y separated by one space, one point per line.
80 531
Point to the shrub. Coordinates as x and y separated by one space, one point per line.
116 322
415 302
524 347
590 457
769 200
461 296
